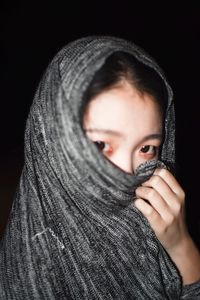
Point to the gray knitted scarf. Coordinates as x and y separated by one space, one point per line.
73 232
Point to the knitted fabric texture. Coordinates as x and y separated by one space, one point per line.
73 231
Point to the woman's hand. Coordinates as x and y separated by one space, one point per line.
164 207
162 201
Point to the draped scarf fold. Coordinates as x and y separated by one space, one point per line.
73 232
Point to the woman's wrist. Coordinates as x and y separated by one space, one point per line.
186 257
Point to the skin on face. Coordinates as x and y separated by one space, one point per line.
126 126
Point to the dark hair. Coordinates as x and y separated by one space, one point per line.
121 65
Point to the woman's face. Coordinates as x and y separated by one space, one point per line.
125 125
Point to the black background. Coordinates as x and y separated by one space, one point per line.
31 34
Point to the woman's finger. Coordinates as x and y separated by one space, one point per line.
158 184
156 201
149 212
170 180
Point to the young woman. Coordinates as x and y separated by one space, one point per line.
98 213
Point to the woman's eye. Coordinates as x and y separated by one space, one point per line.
149 149
102 146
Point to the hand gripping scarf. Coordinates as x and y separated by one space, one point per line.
73 232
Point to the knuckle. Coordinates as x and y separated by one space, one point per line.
149 211
182 195
178 208
151 193
170 220
137 191
163 171
155 180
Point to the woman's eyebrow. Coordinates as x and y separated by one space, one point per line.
105 131
153 136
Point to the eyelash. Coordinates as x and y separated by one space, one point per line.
153 149
144 149
100 145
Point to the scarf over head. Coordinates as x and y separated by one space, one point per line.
73 232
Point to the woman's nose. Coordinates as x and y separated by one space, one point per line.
124 162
